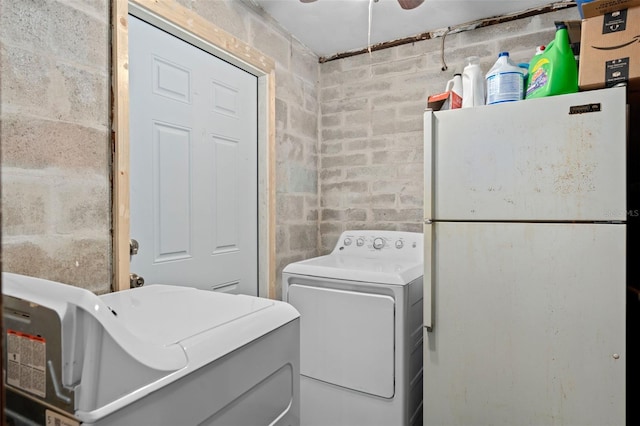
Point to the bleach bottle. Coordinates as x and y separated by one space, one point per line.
554 71
505 81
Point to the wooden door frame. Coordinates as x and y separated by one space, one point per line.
191 27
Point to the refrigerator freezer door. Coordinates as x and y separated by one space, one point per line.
560 158
529 325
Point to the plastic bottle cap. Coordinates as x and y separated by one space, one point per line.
542 47
503 54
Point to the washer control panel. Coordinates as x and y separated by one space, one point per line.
384 242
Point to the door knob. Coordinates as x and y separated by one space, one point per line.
135 280
133 247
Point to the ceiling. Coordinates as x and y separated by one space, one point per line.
330 27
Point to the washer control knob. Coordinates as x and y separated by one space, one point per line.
399 244
378 243
360 242
347 241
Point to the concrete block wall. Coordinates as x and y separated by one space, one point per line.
54 88
371 120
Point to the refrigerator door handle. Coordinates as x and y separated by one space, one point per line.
428 164
428 279
429 148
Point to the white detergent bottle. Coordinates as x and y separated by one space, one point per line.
505 82
455 87
472 83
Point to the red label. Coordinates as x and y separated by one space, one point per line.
28 336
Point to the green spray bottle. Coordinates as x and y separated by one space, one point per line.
554 71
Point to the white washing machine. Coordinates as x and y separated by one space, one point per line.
156 355
360 330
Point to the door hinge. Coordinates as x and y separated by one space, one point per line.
133 247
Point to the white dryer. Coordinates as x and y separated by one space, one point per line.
360 330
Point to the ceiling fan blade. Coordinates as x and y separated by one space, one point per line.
410 4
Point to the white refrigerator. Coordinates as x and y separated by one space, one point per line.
525 245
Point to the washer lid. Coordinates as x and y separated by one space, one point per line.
358 268
206 324
165 315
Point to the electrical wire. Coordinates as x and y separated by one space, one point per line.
444 64
369 33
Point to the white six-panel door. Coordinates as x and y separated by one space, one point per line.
193 164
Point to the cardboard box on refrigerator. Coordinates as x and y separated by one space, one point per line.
610 44
444 100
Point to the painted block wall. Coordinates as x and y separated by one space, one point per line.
371 120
